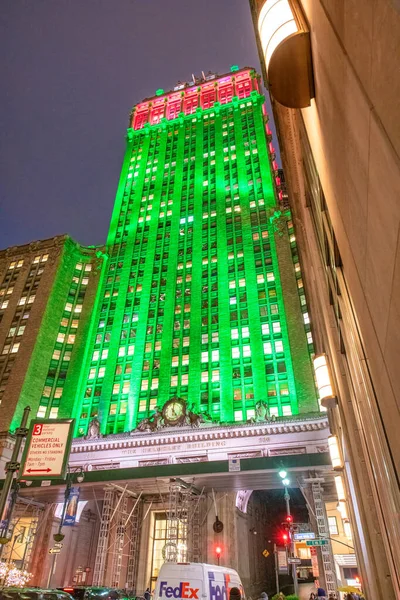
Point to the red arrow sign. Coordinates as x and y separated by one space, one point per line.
38 470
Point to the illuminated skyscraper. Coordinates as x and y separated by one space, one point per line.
197 297
201 297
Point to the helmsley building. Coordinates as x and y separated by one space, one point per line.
182 349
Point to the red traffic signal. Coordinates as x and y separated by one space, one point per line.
285 538
289 519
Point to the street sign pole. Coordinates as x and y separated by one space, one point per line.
294 568
11 468
52 569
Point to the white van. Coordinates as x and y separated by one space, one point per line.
197 581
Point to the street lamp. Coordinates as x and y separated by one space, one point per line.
340 488
341 507
59 536
326 393
334 453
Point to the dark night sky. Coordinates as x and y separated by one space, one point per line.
70 72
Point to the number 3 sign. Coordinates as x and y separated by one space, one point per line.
37 429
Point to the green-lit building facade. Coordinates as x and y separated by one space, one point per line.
196 297
191 301
199 290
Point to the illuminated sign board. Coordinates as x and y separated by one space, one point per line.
47 449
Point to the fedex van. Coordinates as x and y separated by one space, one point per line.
198 581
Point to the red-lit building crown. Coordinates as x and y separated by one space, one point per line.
186 98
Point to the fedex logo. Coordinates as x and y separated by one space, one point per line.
217 591
181 591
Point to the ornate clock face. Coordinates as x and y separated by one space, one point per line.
174 411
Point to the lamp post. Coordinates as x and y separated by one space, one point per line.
289 521
59 536
11 468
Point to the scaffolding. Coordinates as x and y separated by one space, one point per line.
323 532
104 535
120 527
24 527
183 522
30 536
172 540
121 518
133 561
194 526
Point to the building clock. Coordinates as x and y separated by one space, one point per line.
174 411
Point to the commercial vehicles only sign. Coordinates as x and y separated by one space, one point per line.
47 449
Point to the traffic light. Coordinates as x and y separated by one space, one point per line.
289 519
285 539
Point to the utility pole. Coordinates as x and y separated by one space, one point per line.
294 567
11 468
276 569
289 521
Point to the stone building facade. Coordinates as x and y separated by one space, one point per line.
340 151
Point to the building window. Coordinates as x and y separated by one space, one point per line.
158 538
333 528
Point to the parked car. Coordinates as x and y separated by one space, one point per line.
33 594
81 592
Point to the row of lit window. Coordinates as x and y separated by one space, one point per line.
27 299
273 411
16 264
65 337
206 356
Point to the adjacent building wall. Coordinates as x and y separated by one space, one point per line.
341 159
43 317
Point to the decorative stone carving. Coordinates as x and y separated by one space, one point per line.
94 430
188 418
261 413
278 221
151 423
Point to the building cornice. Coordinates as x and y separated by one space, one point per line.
174 435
